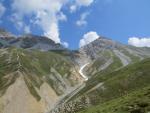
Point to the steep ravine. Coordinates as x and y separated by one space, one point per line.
62 102
26 86
35 80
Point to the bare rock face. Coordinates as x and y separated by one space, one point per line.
28 41
34 81
6 35
100 48
99 45
19 99
36 42
102 44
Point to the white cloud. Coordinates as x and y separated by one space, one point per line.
88 38
27 29
65 44
82 21
79 3
47 14
73 8
2 9
53 32
139 42
19 24
62 17
84 2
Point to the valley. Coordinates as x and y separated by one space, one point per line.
39 76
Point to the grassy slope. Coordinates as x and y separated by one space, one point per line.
104 56
98 77
9 69
134 58
124 90
34 65
135 102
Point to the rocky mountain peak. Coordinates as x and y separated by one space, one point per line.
4 34
28 41
103 42
97 46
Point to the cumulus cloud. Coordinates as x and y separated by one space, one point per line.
139 42
73 8
65 44
82 21
88 38
84 2
2 9
62 17
80 3
19 24
27 29
47 14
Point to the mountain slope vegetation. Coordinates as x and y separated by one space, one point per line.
37 68
111 67
124 91
39 76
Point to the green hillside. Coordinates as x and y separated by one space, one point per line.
135 102
124 91
36 67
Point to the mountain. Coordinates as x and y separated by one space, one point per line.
39 76
5 34
36 42
103 52
115 71
124 91
28 41
102 44
5 37
32 81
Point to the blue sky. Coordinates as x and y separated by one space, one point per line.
115 19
